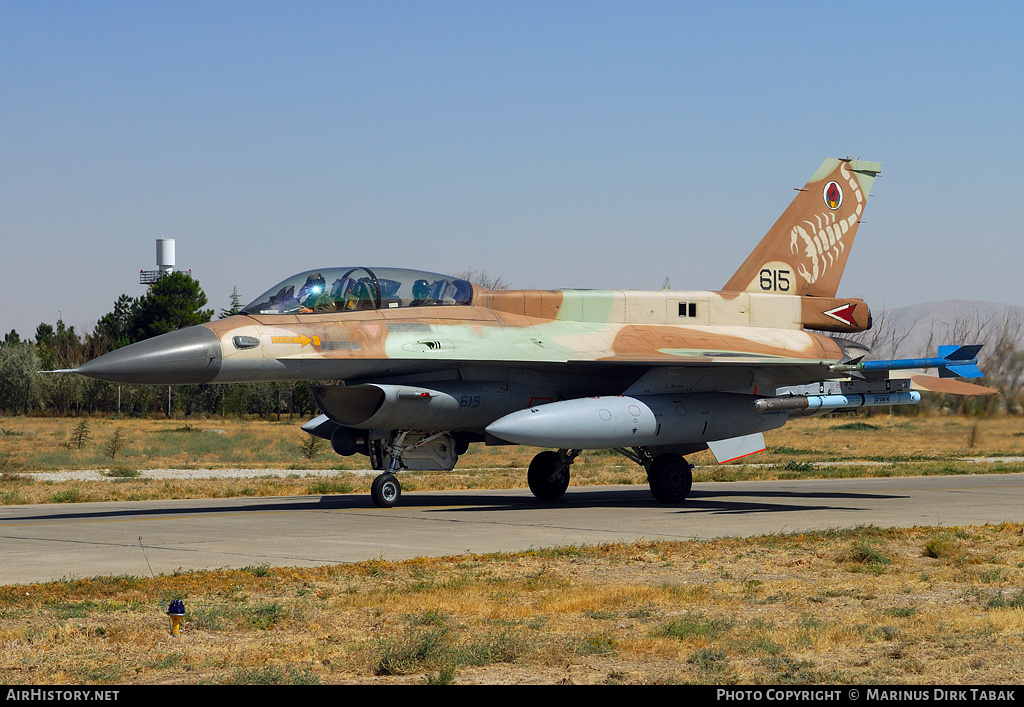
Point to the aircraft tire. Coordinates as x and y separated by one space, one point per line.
670 478
385 490
548 476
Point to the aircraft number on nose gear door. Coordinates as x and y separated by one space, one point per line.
774 280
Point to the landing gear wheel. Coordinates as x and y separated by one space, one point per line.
670 478
548 476
385 490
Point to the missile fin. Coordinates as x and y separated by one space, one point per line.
968 354
969 371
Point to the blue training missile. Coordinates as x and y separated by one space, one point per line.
952 361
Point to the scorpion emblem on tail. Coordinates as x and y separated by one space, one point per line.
821 240
811 240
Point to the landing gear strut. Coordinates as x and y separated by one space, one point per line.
404 449
548 475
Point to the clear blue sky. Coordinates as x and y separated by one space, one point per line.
557 144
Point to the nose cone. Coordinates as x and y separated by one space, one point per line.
189 355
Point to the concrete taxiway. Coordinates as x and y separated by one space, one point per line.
50 542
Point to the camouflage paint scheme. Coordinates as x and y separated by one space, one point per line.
411 382
755 319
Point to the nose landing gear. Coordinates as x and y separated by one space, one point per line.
385 490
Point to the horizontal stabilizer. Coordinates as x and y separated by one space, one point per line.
727 450
949 386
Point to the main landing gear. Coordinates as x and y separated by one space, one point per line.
669 475
548 474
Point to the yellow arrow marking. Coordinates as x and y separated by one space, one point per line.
301 340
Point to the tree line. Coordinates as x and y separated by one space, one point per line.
1001 357
173 302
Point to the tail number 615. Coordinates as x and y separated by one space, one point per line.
774 280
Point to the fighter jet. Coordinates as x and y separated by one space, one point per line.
419 365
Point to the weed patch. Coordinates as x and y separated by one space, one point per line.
863 555
694 626
264 615
941 547
270 675
415 652
328 487
71 495
1001 601
856 426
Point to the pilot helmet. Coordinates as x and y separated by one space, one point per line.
313 288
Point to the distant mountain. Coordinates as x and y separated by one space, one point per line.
915 331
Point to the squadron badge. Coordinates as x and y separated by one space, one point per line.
833 195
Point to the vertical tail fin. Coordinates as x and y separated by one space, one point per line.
805 252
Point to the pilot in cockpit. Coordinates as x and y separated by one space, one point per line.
420 294
313 293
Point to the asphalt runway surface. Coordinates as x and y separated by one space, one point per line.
67 541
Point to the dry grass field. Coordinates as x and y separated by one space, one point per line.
866 605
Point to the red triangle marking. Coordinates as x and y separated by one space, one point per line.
843 313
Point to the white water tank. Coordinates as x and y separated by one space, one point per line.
165 254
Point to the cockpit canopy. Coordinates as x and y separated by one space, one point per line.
351 289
